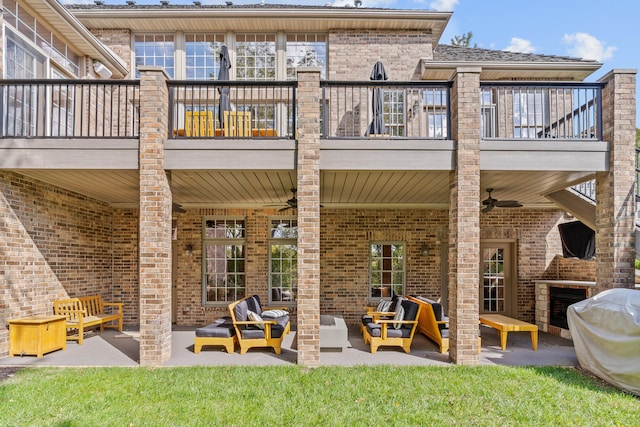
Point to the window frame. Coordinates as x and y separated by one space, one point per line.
394 286
171 71
296 41
224 242
218 40
282 241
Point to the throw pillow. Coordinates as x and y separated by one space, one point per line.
254 317
399 316
383 306
274 314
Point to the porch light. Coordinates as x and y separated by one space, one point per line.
424 250
188 249
101 70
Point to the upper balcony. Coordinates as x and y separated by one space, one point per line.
370 124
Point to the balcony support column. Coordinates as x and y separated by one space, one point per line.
308 332
615 209
464 218
155 220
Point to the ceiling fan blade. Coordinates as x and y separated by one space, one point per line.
487 208
284 209
508 204
176 207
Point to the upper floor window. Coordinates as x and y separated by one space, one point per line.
202 55
306 50
256 57
224 260
155 49
39 35
283 261
387 269
529 113
394 112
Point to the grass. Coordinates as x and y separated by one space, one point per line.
327 396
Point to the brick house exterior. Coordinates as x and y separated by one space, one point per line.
94 215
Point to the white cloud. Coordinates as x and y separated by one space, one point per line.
585 46
520 45
443 5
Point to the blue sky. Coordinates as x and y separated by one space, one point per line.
590 29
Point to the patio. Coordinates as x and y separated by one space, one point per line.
112 348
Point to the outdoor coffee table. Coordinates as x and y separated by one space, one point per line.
333 332
505 324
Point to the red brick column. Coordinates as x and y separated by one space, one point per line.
308 333
615 208
464 219
155 221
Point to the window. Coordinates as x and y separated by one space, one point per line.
487 114
394 112
33 30
306 50
529 113
224 260
493 285
62 107
283 261
22 61
256 57
387 269
436 106
202 52
155 49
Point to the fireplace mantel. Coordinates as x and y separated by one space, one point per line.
568 283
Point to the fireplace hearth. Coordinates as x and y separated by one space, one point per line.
559 300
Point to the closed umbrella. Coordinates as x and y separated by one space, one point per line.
223 75
377 124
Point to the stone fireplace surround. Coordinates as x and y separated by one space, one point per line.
542 302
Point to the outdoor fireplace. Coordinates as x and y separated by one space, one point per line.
559 300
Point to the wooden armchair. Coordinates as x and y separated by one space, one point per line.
384 332
374 313
267 332
433 324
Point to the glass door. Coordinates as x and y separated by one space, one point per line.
497 284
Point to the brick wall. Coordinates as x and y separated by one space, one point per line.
54 244
344 255
119 41
352 54
125 263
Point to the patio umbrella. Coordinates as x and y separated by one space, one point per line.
377 124
223 75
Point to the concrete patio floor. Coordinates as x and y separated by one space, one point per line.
112 348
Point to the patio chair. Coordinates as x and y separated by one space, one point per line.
254 331
398 331
386 309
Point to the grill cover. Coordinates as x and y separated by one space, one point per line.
606 336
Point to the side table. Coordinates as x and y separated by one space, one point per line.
36 335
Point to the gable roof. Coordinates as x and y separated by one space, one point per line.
501 64
257 17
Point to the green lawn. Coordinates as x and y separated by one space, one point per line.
327 396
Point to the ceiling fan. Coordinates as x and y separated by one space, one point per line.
489 203
292 203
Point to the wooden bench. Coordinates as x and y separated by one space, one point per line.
436 330
87 312
504 325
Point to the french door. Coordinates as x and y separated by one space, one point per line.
497 278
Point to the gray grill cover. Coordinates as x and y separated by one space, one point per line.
606 336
